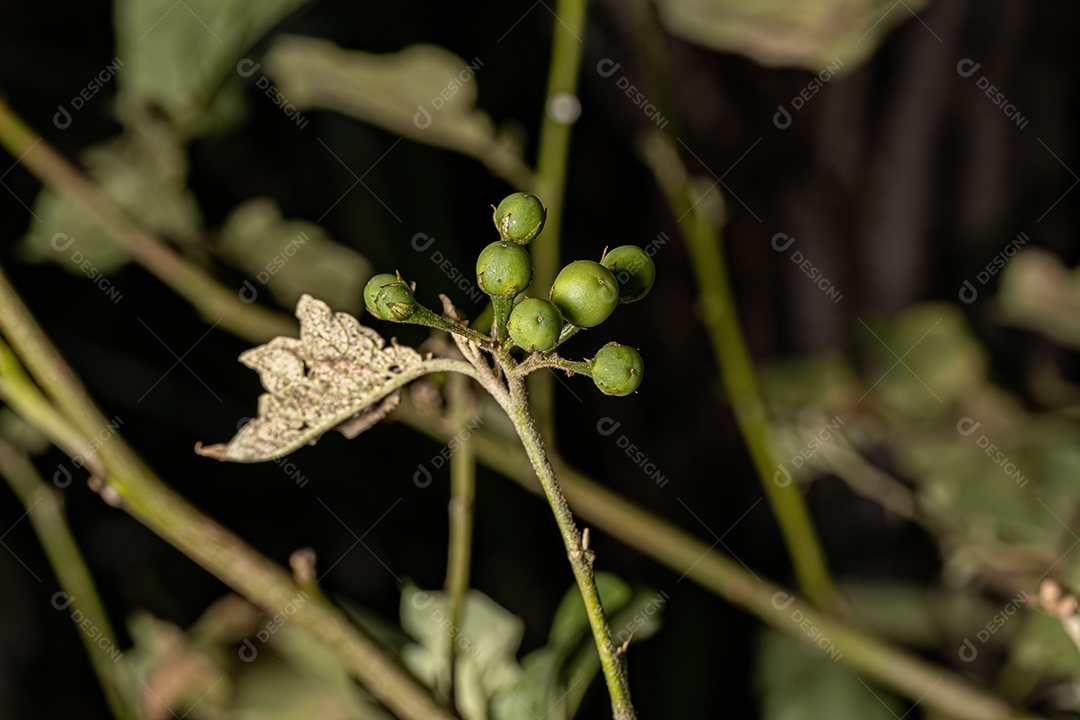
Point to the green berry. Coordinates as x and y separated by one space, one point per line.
395 302
585 292
534 325
503 269
372 288
634 270
520 217
617 369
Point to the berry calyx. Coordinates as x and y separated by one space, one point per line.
371 289
633 268
503 269
395 302
535 324
617 369
520 218
585 292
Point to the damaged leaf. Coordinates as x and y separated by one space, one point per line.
339 374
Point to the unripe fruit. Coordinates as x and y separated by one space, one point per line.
585 292
520 217
535 325
503 269
372 289
395 302
634 270
617 369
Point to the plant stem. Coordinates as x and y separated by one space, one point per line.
427 318
581 558
462 495
134 488
25 398
45 508
646 532
703 241
552 160
502 307
536 362
212 299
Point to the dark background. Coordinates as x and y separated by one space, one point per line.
900 180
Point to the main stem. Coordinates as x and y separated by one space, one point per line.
581 558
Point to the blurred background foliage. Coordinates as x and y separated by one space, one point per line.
900 180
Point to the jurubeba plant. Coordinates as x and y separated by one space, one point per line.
342 375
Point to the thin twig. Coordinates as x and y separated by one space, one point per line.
462 495
45 509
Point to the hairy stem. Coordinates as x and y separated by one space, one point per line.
553 158
45 509
134 488
581 557
462 495
701 229
537 362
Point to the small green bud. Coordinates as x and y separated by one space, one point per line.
395 302
503 269
585 292
520 217
371 289
634 270
534 325
617 369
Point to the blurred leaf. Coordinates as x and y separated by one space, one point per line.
487 640
1042 647
776 32
145 172
291 257
799 682
943 362
180 58
555 677
1039 293
424 93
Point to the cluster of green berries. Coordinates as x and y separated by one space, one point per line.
584 293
